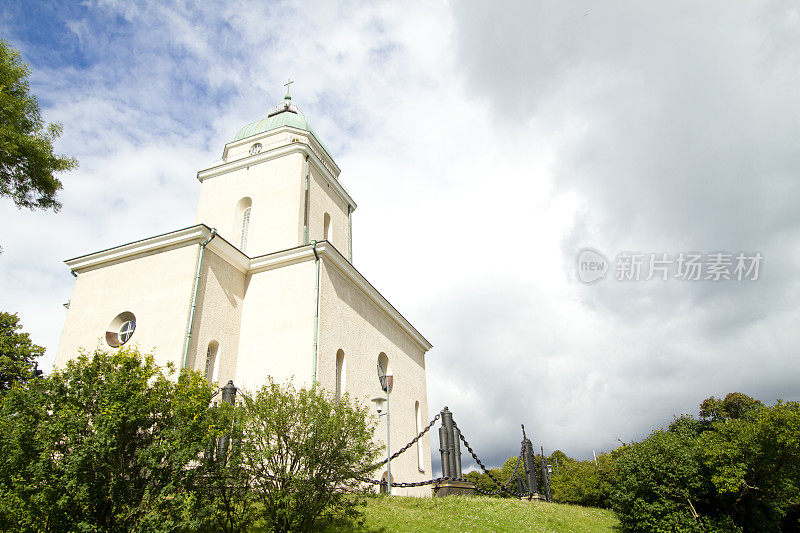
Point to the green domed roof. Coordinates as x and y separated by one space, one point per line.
287 117
285 113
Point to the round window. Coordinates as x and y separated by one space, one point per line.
126 331
256 148
121 329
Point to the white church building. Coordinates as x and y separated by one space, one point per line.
262 285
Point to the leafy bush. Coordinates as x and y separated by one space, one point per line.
736 469
17 353
110 443
303 451
584 482
102 445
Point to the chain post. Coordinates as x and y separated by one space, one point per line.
443 450
229 392
456 452
446 442
228 396
450 436
530 465
546 477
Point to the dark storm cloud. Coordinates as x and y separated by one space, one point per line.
678 127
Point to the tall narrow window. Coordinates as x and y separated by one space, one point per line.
327 227
341 373
418 418
245 227
241 227
211 360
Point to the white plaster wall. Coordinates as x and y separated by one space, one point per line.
323 199
155 288
268 140
277 327
353 323
218 316
276 188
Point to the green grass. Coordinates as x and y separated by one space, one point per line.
462 514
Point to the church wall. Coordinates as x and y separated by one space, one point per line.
156 288
353 323
277 328
323 199
218 316
275 188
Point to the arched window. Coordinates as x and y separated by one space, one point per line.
245 228
418 418
243 209
211 361
327 227
341 373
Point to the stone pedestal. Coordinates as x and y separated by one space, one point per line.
534 496
449 488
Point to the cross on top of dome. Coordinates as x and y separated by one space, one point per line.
286 104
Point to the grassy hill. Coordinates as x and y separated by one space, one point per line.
459 514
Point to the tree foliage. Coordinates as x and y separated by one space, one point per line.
224 498
734 406
583 482
304 451
17 353
27 162
112 443
102 445
735 469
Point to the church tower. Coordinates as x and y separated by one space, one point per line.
262 285
276 187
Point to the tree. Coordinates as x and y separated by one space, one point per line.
224 498
587 483
304 452
737 469
27 161
754 465
106 444
17 353
662 485
735 405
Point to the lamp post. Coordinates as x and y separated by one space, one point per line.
380 404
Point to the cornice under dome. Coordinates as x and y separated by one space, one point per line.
285 113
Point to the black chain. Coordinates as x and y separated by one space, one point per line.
503 488
486 492
407 446
404 485
514 473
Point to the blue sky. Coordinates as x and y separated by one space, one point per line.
485 147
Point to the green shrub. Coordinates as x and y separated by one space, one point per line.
102 445
737 469
303 451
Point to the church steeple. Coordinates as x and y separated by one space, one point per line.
276 187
